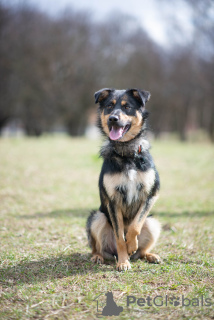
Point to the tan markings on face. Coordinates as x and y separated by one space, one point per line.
136 124
124 100
114 101
104 121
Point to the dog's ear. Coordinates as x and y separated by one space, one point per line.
141 95
102 94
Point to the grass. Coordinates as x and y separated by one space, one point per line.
47 188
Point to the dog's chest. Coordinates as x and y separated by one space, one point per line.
130 186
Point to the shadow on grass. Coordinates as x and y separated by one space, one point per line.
185 214
61 213
50 268
84 213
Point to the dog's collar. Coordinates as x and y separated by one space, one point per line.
135 149
132 154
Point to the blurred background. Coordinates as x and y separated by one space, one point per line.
55 54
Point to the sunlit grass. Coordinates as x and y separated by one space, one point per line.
47 188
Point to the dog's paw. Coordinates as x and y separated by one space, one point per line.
152 258
123 266
132 246
97 258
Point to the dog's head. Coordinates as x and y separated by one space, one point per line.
122 112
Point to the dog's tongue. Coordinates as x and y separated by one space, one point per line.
116 133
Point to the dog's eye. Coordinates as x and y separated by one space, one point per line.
127 107
110 106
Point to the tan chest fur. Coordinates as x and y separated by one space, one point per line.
130 180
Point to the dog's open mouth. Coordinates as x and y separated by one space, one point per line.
117 133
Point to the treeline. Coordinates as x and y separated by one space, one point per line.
51 66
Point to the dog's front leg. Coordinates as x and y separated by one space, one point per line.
118 227
135 227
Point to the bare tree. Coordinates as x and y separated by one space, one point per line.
6 79
50 68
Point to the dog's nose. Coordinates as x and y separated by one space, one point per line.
113 118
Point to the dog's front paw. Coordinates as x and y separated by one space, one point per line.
97 258
132 246
123 266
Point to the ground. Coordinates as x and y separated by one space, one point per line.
48 187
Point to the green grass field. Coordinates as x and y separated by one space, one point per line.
47 188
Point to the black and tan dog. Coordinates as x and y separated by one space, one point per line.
128 183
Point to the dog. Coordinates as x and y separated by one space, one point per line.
128 184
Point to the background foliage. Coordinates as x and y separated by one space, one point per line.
51 66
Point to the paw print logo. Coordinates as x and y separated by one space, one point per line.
174 301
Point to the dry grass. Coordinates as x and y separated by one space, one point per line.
47 188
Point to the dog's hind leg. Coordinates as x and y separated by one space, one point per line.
146 240
100 237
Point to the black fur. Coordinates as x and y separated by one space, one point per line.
115 163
